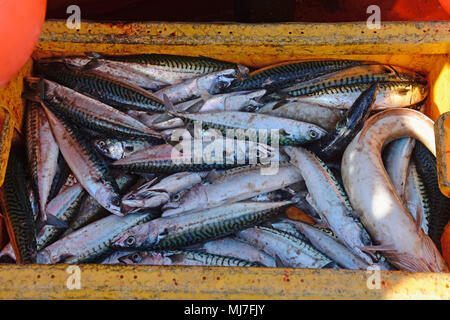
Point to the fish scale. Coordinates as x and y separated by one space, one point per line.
17 209
215 259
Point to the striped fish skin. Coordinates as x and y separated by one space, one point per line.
64 207
171 69
42 153
289 249
394 94
89 169
91 211
187 229
113 92
363 74
416 197
91 241
439 204
334 142
92 114
116 149
331 201
197 155
16 208
232 185
151 194
396 159
107 68
289 131
233 247
201 86
184 258
277 76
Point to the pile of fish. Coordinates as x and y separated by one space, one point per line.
173 160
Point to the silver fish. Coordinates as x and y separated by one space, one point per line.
117 149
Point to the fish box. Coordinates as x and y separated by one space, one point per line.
420 46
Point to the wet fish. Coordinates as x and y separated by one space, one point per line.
88 243
233 101
234 185
91 171
335 141
16 209
184 258
117 149
191 228
62 175
113 92
42 153
439 204
283 74
201 86
7 254
288 249
233 247
168 68
331 202
64 207
389 223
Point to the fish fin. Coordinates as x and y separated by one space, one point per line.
177 257
94 55
196 106
279 263
162 118
93 64
168 104
279 104
374 248
212 176
419 218
56 222
64 257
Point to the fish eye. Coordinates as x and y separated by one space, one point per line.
130 241
129 148
136 257
176 197
313 134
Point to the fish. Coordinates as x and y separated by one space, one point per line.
42 154
356 75
283 74
184 258
62 175
396 158
233 247
64 206
117 149
111 69
91 242
191 228
158 121
389 223
233 101
89 169
439 215
171 69
331 202
90 210
416 198
264 127
330 246
289 250
322 116
92 114
393 94
335 141
115 93
16 208
233 185
196 155
151 194
7 254
201 86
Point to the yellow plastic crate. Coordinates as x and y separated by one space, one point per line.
421 46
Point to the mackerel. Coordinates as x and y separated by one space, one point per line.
234 185
234 101
90 242
42 153
233 247
290 250
91 171
168 68
64 207
116 149
331 201
113 92
92 114
191 228
201 86
184 258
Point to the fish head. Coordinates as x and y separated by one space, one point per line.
111 148
222 81
309 134
186 200
140 236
